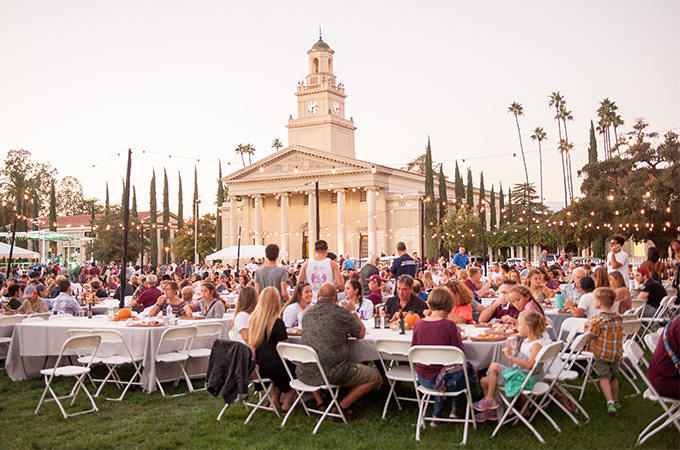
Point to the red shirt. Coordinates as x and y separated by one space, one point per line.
470 285
662 373
149 297
440 332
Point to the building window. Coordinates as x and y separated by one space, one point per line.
306 199
334 197
362 193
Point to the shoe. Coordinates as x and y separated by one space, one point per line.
617 405
484 404
349 415
611 410
454 414
486 415
434 424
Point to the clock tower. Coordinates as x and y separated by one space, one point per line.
321 122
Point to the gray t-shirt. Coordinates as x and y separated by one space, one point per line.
325 327
273 276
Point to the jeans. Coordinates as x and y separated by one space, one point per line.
454 381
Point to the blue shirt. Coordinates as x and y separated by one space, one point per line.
348 264
461 261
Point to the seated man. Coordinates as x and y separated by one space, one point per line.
64 301
652 292
405 301
325 327
502 306
375 295
148 297
33 303
14 296
572 292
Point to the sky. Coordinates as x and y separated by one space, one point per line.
82 81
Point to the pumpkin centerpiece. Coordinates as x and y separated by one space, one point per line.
124 314
411 319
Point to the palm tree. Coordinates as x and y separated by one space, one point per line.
605 112
250 150
240 150
539 135
276 143
517 110
565 116
555 99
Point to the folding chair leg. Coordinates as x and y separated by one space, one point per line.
387 402
422 408
670 418
290 411
127 386
511 407
219 416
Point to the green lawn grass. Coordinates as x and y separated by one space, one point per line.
152 421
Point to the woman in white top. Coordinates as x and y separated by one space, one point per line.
353 295
247 300
296 306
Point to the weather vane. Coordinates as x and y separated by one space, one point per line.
320 34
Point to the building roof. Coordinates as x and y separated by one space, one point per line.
320 45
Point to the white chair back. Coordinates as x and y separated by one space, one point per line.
43 316
33 320
185 334
10 320
436 355
572 323
635 304
77 344
631 327
639 310
652 340
393 349
209 329
61 316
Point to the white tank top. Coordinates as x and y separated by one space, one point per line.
318 273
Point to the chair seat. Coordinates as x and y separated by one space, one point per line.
85 360
304 387
5 340
399 373
427 391
171 357
570 375
649 396
200 353
118 360
540 388
66 371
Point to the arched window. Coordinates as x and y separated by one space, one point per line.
316 65
330 66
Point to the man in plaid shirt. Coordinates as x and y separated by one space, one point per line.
606 343
64 301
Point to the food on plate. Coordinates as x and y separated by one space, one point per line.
483 325
488 338
294 331
502 328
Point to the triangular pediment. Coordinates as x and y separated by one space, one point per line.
308 162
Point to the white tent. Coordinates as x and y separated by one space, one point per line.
247 251
17 253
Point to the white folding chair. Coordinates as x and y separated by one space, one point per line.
395 351
264 396
73 344
61 316
43 316
304 354
184 337
444 356
652 339
651 324
671 407
636 303
630 330
8 321
546 355
114 338
208 333
583 360
33 320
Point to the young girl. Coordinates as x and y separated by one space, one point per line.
462 296
531 326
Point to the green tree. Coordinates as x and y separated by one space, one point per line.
180 203
555 100
134 215
107 206
470 190
108 243
592 147
276 144
517 110
417 165
240 150
430 206
184 239
153 219
460 189
493 217
460 229
166 210
540 136
443 205
482 206
220 199
501 203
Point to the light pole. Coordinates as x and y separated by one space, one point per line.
196 231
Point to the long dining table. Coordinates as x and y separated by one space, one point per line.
35 345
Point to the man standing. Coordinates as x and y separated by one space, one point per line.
617 259
186 268
461 259
369 269
404 264
652 292
405 301
319 270
149 296
325 328
272 275
347 264
252 266
542 258
64 301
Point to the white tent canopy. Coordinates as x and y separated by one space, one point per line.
247 251
17 253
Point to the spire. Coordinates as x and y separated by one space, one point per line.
320 33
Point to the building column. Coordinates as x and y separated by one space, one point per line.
285 239
233 221
246 235
341 221
258 199
311 222
512 252
159 245
372 233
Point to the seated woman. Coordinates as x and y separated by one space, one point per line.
536 284
617 283
247 300
266 330
434 329
522 299
462 297
601 277
353 295
295 307
515 276
179 308
97 289
211 303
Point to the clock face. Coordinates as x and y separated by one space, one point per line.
336 109
312 108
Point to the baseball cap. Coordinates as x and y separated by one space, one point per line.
643 270
375 278
29 291
40 287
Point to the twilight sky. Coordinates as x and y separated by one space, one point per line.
83 80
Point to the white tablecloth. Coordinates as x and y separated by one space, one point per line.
32 342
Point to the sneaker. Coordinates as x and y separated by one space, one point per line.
434 424
486 415
617 405
611 410
454 414
484 404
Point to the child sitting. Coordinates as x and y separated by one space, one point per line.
436 329
606 343
530 325
462 297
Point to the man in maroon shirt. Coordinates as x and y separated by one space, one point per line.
374 285
501 306
475 277
662 372
148 297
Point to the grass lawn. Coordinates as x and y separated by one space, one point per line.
152 421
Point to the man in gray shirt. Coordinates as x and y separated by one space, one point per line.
272 275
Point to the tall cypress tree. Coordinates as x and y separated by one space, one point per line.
133 210
482 194
220 202
107 209
460 189
592 148
195 191
443 207
483 206
180 203
53 208
493 220
501 204
508 208
470 190
166 210
153 219
430 207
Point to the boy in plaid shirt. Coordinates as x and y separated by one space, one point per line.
606 343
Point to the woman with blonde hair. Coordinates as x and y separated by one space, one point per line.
463 274
266 331
535 282
428 282
617 283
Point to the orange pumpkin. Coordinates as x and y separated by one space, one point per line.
411 319
124 313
